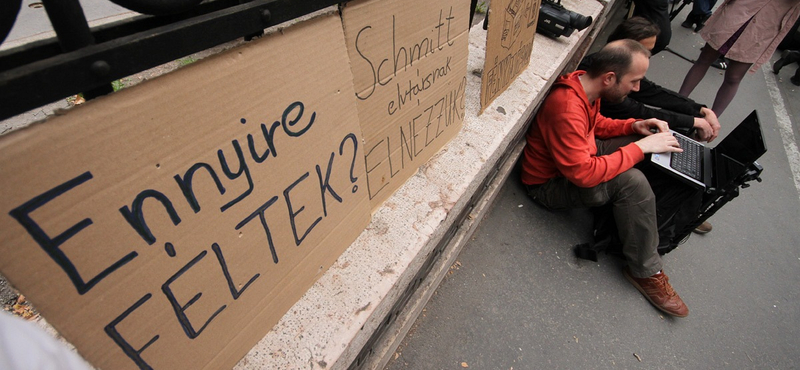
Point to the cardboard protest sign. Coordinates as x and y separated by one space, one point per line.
171 225
509 41
409 62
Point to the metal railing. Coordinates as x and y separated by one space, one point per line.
87 60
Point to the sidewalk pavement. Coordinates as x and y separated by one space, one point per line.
517 298
32 23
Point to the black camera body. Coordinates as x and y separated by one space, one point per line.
555 20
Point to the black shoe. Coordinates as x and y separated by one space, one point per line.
787 57
701 22
689 22
795 80
720 63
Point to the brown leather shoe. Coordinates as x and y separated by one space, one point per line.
659 292
703 228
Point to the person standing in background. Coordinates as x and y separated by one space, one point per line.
788 57
746 32
701 11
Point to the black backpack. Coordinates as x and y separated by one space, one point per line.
677 208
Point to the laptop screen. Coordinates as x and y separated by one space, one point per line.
743 146
745 143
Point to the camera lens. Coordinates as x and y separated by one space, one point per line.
579 21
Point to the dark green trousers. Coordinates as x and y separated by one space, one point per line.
633 205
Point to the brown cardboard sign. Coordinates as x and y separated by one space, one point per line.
409 62
171 225
509 41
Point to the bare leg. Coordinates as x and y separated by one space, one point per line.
707 56
733 76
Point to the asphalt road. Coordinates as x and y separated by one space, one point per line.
519 299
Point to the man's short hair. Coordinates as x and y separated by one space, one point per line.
616 57
635 28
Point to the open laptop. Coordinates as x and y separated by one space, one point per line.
716 167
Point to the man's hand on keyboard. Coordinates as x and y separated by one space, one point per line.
649 126
659 143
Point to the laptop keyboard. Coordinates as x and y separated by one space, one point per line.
688 162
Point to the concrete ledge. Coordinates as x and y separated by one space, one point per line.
380 284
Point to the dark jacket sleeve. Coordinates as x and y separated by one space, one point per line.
630 108
652 94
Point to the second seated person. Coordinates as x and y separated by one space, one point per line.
654 101
574 158
683 114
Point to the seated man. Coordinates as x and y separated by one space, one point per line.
575 157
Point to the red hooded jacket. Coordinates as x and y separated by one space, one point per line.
561 140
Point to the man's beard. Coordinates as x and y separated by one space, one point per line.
614 95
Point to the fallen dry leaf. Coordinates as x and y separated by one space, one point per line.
22 309
464 364
76 100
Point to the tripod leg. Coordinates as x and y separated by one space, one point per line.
675 12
